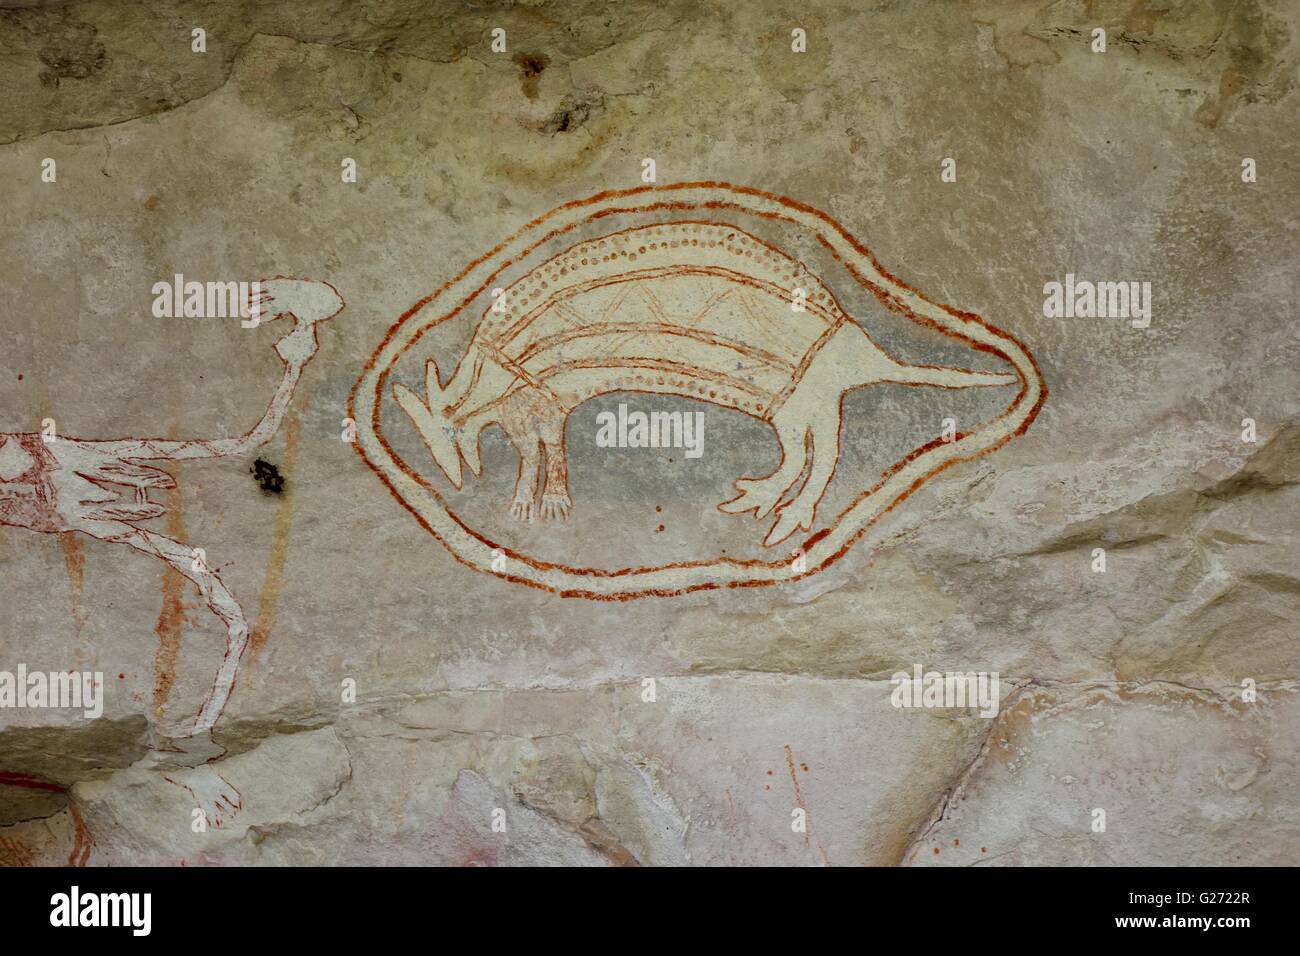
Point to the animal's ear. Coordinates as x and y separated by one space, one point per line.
437 431
431 383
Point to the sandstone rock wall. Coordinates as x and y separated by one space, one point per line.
482 701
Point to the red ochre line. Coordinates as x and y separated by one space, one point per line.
887 299
666 366
666 592
541 379
796 267
885 296
82 842
11 779
636 328
811 309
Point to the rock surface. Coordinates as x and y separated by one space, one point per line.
494 723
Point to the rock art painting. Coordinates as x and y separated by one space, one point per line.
54 484
664 301
757 434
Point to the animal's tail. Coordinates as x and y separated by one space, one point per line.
441 436
949 377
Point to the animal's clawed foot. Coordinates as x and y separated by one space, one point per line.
212 793
556 507
759 495
522 509
795 516
762 496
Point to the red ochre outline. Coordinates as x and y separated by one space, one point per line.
885 296
82 840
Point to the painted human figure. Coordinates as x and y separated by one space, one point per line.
56 484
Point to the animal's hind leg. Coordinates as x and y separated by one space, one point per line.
761 495
218 597
799 513
556 503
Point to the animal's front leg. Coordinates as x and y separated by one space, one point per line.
556 503
530 462
307 303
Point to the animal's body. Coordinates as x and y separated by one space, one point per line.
697 309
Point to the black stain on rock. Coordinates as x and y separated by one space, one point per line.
574 110
531 66
267 476
73 53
